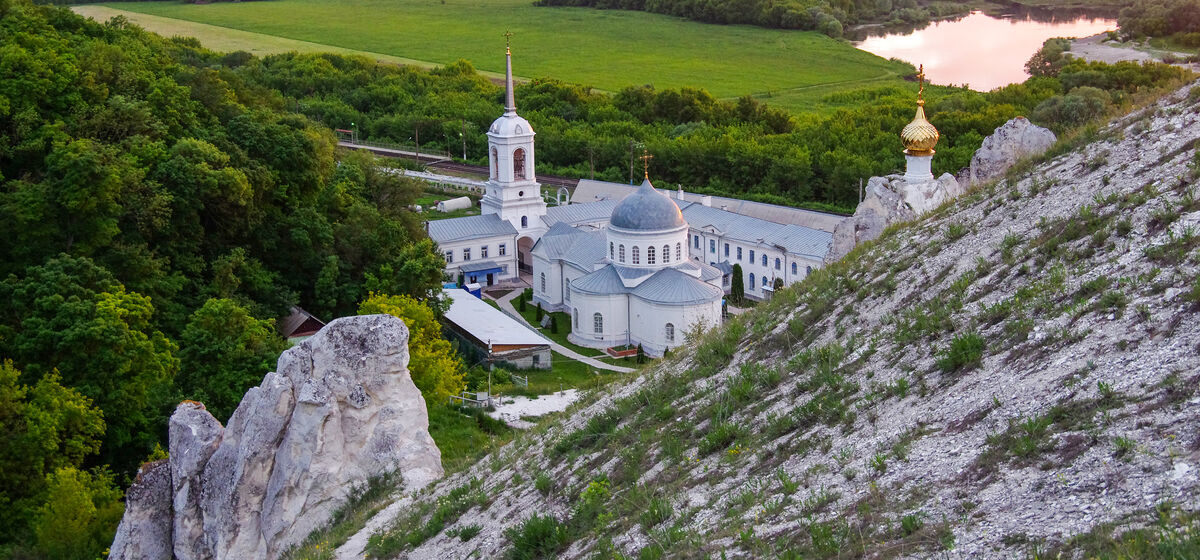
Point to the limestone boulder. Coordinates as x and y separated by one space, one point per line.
1015 139
145 530
340 409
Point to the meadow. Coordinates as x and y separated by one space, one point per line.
607 49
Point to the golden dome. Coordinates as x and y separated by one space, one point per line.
920 136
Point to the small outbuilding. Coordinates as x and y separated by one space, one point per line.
492 334
460 203
299 325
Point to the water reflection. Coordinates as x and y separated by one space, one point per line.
981 50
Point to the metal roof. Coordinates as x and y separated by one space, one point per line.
575 214
793 239
647 210
590 190
479 266
581 248
469 227
671 286
601 282
486 323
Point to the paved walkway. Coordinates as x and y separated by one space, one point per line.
507 307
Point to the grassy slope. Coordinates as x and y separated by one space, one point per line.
842 419
606 49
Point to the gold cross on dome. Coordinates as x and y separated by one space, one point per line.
921 83
646 157
507 39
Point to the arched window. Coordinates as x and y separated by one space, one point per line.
807 270
598 323
621 252
670 332
764 280
679 251
519 164
495 164
793 268
752 284
667 254
635 255
778 264
764 260
524 221
543 282
613 256
649 255
575 316
567 291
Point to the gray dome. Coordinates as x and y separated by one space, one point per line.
647 210
509 125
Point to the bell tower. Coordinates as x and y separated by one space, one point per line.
512 190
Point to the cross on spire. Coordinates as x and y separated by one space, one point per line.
508 41
921 85
646 157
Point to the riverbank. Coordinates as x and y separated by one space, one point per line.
1097 48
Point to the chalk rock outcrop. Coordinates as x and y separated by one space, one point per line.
1014 140
341 409
889 200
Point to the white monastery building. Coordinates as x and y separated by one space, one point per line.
631 265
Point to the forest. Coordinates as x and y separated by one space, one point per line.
163 205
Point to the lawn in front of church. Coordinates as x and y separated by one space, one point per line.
607 49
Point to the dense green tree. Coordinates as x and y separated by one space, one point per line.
223 352
43 427
737 285
80 515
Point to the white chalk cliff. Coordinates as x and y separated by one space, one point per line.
340 410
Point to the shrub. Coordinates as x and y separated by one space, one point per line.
539 537
966 351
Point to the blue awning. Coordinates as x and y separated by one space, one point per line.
480 267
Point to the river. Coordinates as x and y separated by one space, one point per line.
980 50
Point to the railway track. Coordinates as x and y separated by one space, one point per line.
440 161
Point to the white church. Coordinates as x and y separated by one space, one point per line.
631 265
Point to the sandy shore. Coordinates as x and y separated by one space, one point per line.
1095 49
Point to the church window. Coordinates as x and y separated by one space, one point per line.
543 279
503 249
524 221
778 264
679 251
598 323
712 245
483 252
751 256
519 164
449 256
650 255
696 241
610 250
764 280
567 291
667 254
739 253
466 254
726 249
636 260
575 317
520 194
670 332
764 260
495 164
793 268
621 253
752 284
807 270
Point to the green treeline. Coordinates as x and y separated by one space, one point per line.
1163 18
159 210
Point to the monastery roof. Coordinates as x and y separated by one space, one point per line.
575 214
646 209
674 287
486 323
581 248
590 190
469 227
794 239
600 282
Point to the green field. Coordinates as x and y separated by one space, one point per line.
608 49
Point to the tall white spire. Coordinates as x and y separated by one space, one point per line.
510 102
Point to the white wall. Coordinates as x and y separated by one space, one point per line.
616 321
476 245
649 322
